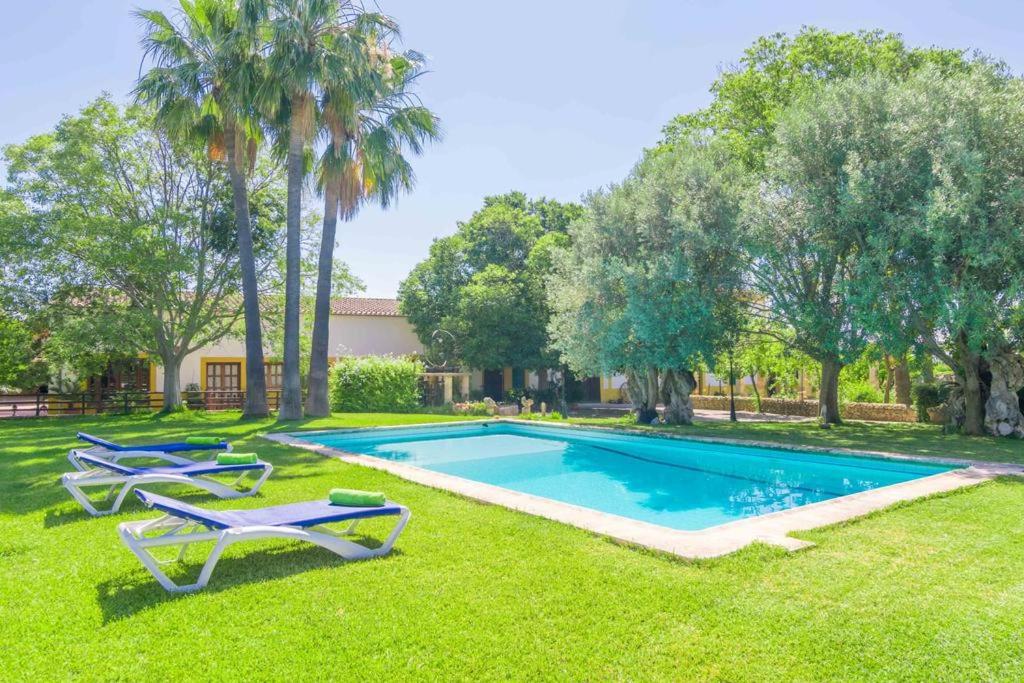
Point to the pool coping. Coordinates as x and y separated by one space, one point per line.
773 528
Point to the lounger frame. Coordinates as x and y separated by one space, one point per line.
98 447
177 531
120 485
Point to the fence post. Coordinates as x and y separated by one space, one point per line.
37 403
126 403
83 403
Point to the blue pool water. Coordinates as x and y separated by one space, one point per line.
676 483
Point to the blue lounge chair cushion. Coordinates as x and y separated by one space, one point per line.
160 447
305 514
190 470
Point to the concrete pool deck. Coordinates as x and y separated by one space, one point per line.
772 528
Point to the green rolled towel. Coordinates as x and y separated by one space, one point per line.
357 499
204 441
236 458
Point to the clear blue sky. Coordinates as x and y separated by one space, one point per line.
551 97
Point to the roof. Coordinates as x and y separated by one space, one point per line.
357 305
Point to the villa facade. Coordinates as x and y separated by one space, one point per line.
359 326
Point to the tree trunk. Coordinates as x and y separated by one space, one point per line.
317 403
291 385
901 379
677 386
974 409
172 383
828 392
757 392
873 376
648 411
255 373
563 398
927 370
1003 416
889 376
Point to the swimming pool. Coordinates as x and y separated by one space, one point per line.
676 483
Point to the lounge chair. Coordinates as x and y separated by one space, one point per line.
184 524
119 478
109 448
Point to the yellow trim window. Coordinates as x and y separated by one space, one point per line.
274 372
227 373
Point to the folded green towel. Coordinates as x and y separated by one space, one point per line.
236 458
204 441
357 499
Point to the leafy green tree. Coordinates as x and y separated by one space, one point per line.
485 283
650 284
778 69
132 233
206 70
841 170
765 352
950 279
15 350
370 135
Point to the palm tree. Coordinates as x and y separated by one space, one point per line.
313 43
206 67
364 161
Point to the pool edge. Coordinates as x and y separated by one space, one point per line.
773 528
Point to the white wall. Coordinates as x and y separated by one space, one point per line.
364 335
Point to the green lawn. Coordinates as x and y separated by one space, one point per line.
929 590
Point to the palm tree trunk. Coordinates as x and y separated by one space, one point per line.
255 374
317 403
291 390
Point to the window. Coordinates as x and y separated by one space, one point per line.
273 371
128 374
223 376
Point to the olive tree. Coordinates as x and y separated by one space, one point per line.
949 276
650 284
842 170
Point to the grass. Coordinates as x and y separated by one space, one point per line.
928 590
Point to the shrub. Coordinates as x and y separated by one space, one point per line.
928 396
514 395
860 392
375 384
471 408
194 397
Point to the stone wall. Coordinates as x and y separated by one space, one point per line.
881 412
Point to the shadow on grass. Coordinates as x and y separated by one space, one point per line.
135 591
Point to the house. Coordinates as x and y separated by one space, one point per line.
358 326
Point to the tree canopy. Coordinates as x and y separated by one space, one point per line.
651 279
131 234
778 68
485 284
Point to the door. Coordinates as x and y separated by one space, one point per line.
223 385
494 384
591 390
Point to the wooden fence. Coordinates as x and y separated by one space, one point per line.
119 403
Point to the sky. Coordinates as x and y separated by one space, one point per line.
550 97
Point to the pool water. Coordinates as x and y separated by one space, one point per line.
677 483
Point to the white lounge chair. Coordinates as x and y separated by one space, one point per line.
184 524
107 471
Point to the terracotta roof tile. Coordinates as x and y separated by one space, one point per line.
357 305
